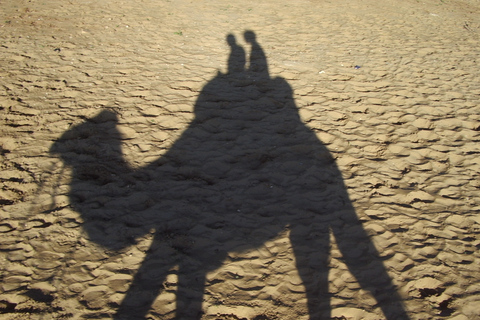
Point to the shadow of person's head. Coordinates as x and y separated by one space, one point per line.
249 36
231 40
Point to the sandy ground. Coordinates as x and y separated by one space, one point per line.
152 167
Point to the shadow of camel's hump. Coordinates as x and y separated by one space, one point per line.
244 169
248 165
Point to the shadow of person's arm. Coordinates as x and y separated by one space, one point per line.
364 262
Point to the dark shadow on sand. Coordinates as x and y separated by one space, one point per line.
244 170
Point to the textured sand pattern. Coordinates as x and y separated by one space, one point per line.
391 90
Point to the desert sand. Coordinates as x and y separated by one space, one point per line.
253 160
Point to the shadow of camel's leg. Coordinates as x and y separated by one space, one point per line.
311 248
191 286
147 283
364 262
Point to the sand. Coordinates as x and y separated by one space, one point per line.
253 160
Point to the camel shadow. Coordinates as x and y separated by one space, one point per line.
245 169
